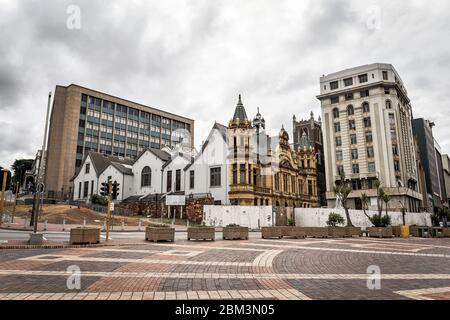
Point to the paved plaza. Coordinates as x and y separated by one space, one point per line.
323 269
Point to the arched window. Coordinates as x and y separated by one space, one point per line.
366 107
146 177
350 110
335 113
388 104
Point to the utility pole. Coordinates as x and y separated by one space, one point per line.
108 212
15 202
2 204
41 160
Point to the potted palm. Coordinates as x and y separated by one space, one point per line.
235 232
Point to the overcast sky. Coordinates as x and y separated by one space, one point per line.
194 57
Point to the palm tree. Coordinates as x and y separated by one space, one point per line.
365 205
386 200
380 197
342 192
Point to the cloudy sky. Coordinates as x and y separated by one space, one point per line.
193 57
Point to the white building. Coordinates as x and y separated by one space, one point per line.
368 135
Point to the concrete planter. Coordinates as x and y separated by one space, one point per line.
84 235
352 232
201 233
272 232
294 232
235 233
156 234
375 232
396 231
317 232
414 230
337 232
446 232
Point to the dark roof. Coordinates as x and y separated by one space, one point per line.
183 155
239 113
222 129
122 168
163 155
102 161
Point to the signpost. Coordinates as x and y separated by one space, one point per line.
175 201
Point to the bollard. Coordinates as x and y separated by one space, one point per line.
140 224
64 224
45 224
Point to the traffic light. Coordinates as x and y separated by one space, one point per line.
104 189
115 190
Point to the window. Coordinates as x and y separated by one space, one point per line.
338 141
334 85
366 107
387 91
371 166
334 100
356 185
88 168
310 187
354 154
391 119
146 177
92 187
385 75
369 138
362 78
215 174
393 134
355 168
339 156
348 82
340 169
242 172
178 180
348 96
79 190
86 189
353 139
235 174
395 150
337 127
350 110
335 113
388 104
364 93
352 124
370 152
191 179
169 181
397 165
367 122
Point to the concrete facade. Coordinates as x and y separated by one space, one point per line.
367 129
84 120
245 216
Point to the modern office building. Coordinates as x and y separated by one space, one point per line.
432 163
84 120
446 174
311 130
367 131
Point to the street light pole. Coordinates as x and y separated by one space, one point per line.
15 202
41 160
2 205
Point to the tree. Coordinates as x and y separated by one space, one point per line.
342 192
386 200
365 205
380 197
19 167
335 219
8 179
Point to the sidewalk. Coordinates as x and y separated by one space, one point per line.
19 225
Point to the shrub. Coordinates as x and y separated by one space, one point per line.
435 219
382 222
291 223
335 219
97 199
233 225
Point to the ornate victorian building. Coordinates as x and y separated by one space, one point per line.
267 171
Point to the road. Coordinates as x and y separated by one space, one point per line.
64 236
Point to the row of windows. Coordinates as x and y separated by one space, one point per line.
351 110
352 124
362 78
354 154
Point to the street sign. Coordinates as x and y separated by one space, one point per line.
175 200
111 206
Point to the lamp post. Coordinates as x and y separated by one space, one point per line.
15 202
2 203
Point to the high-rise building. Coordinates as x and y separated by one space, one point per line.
309 132
265 171
367 130
446 174
432 163
84 120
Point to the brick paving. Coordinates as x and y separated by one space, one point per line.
256 269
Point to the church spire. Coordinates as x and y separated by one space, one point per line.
239 113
